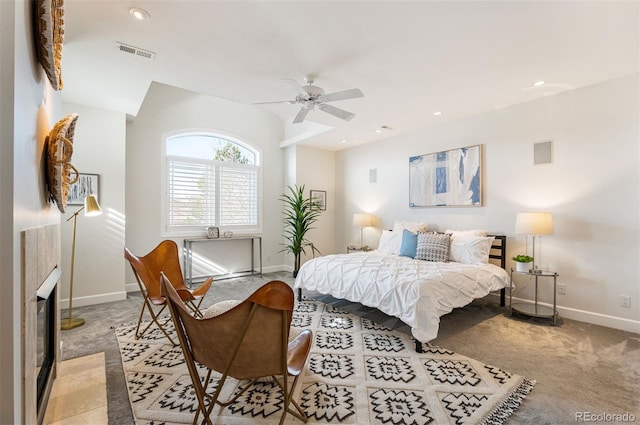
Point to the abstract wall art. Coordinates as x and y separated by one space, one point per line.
450 178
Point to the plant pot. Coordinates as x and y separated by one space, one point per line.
522 267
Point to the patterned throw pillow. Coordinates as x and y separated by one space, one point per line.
433 247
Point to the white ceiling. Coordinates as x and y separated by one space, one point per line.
409 58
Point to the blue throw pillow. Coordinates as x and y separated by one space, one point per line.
409 244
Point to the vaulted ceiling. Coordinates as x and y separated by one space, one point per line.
409 58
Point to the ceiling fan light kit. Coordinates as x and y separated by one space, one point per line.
310 96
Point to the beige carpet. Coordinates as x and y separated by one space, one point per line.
358 373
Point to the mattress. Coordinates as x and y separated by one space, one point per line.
415 291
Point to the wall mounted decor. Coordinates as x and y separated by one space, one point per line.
49 38
319 198
450 178
87 184
59 146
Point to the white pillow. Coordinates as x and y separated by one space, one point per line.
412 226
390 242
471 249
475 232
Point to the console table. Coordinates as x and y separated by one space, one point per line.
188 257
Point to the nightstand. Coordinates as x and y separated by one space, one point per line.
352 248
535 310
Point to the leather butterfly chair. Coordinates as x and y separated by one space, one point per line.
147 269
247 342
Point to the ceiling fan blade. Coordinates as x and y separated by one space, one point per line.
337 112
342 95
291 102
297 87
302 114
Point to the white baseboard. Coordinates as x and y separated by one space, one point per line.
132 287
94 299
594 318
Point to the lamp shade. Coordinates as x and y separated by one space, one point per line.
534 223
362 220
91 206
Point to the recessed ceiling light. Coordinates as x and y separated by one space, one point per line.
344 140
139 14
538 83
383 128
437 113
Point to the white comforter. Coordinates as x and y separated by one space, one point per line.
417 292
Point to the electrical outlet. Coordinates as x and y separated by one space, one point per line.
625 301
562 289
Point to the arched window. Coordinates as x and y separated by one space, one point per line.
211 180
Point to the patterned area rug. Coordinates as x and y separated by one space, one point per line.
358 372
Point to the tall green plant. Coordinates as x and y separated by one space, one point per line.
300 214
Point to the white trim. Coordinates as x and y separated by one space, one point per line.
591 317
94 299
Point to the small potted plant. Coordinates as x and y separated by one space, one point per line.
522 262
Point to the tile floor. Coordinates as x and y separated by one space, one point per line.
79 393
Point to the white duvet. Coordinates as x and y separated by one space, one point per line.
415 291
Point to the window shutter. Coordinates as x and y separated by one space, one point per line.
191 194
210 181
239 195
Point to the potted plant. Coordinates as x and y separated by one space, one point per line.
300 213
522 262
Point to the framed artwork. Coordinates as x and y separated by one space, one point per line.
450 178
319 198
87 184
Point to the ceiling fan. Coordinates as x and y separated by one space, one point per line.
310 96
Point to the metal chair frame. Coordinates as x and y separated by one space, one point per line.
147 269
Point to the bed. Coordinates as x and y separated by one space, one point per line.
416 291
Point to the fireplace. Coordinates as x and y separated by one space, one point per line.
46 328
45 340
40 318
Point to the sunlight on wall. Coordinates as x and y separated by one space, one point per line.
113 232
202 266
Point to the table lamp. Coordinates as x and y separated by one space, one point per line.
534 224
362 220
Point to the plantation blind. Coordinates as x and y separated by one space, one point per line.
239 195
211 193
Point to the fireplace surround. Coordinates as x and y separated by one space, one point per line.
40 318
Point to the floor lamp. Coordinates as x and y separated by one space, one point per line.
91 209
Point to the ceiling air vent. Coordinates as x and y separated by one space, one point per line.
137 51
